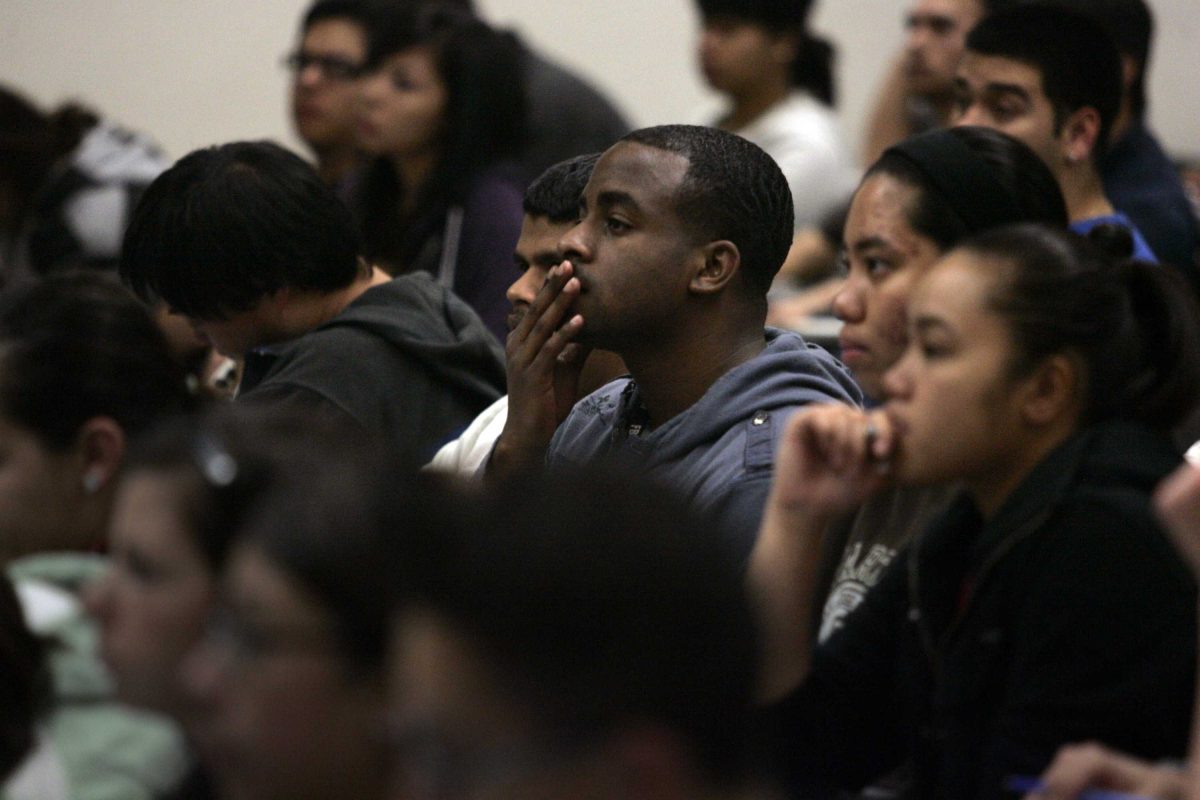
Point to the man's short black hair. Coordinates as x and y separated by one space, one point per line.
1076 58
228 225
353 10
1131 25
555 193
597 601
733 190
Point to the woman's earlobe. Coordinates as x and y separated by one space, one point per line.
102 446
1051 391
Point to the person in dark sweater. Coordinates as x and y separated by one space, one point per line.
249 244
1045 605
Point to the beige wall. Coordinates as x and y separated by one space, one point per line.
194 72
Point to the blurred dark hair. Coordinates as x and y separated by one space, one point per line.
226 460
354 10
228 225
319 524
485 118
1130 23
1135 326
33 141
596 601
813 67
1073 54
1031 189
555 193
74 346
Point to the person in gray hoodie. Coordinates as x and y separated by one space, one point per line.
248 243
682 231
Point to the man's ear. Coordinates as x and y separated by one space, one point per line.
101 446
721 263
1050 391
1080 135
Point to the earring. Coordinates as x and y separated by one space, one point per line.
92 481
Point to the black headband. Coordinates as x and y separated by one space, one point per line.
961 176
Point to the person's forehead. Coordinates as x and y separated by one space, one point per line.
982 71
957 10
645 174
342 34
540 235
879 213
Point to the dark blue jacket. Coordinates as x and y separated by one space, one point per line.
720 452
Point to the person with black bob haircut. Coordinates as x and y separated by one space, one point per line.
442 117
1045 376
248 243
592 639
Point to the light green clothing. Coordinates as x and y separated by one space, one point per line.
108 751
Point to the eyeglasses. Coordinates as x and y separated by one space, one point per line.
331 67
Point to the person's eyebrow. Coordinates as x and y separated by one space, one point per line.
1008 88
614 197
927 323
870 243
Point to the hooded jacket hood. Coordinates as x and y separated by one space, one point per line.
432 326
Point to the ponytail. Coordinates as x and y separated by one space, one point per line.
1134 325
813 68
1160 382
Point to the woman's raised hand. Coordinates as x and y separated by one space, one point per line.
832 458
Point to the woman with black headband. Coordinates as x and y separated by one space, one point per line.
917 201
1043 604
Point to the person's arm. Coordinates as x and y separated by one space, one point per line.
888 122
1177 504
543 373
828 462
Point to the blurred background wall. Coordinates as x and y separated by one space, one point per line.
195 72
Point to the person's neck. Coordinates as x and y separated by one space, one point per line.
335 164
672 377
991 491
308 311
754 102
1084 193
1123 122
414 170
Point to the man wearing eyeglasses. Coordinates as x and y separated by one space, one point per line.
333 46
